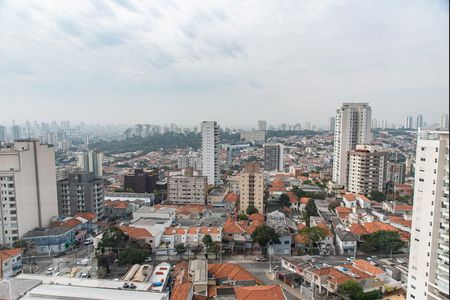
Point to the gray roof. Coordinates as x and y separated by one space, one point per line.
40 232
346 236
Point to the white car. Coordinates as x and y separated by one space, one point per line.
49 271
350 258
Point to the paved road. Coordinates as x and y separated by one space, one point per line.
40 264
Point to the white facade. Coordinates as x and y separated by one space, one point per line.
27 189
92 162
429 254
210 151
352 127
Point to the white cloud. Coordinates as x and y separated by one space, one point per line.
282 60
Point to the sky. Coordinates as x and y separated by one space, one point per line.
234 61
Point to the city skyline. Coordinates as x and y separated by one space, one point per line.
172 60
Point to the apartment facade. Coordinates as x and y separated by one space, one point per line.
352 127
81 192
141 181
273 157
251 187
366 169
210 151
27 189
428 276
187 189
92 161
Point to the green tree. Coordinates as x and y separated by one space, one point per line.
351 290
133 255
251 209
113 238
105 260
311 208
377 196
28 246
383 242
208 242
315 234
285 201
215 249
242 217
180 249
264 235
197 249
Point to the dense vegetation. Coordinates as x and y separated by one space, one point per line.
152 143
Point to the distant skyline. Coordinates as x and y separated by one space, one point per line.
174 61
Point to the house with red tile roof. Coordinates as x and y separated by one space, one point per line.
231 274
273 292
349 200
10 262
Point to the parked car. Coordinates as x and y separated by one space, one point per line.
148 259
49 271
261 259
350 258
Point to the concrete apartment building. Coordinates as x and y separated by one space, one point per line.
187 189
251 187
366 169
273 157
92 162
256 137
27 189
428 276
141 181
396 172
262 125
352 127
81 192
210 151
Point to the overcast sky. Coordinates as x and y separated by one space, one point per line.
235 61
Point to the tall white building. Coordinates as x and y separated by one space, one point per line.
210 151
419 121
92 162
409 122
262 125
428 276
352 127
27 189
443 122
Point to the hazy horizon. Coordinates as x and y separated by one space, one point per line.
173 61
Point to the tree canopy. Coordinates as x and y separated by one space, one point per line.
251 209
264 235
382 242
311 208
314 234
113 238
351 289
242 217
377 196
285 201
133 255
180 249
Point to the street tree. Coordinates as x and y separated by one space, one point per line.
264 235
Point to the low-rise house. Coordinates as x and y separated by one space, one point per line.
140 235
349 200
188 236
346 242
400 223
230 274
273 292
363 201
231 201
51 240
157 213
10 262
119 209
